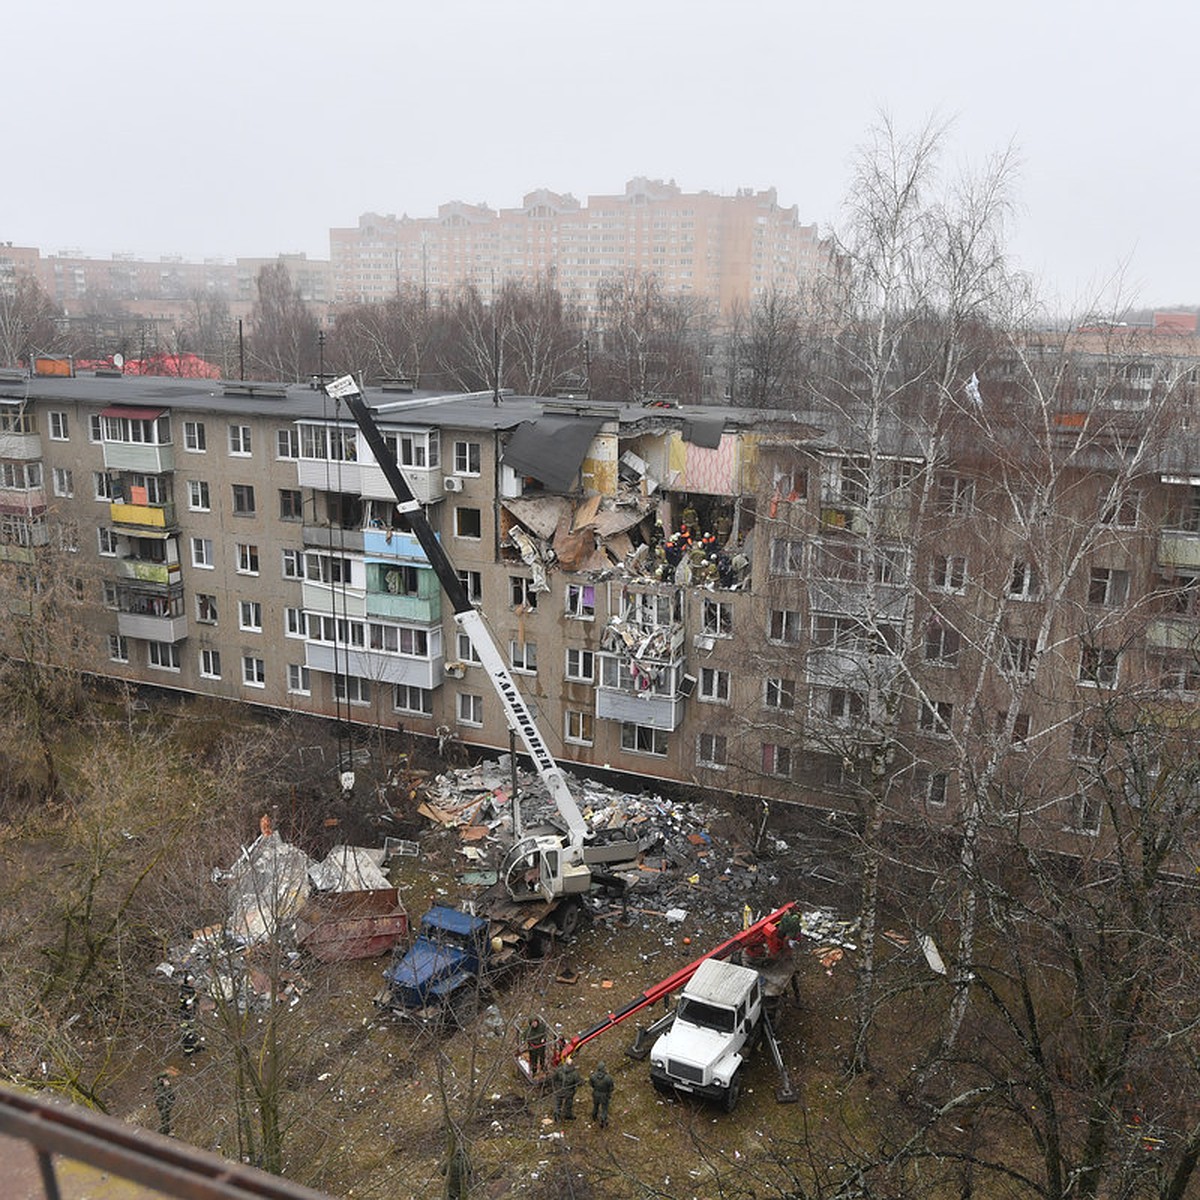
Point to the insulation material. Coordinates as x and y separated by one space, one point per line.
712 472
540 516
531 556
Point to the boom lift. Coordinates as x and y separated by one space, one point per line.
763 947
541 865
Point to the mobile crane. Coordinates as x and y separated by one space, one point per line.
541 865
701 1045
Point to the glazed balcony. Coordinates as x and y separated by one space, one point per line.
146 458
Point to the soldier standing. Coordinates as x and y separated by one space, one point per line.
566 1082
164 1101
602 1089
536 1036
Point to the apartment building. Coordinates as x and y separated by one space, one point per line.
703 596
727 249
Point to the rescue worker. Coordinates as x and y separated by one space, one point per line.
536 1036
602 1089
566 1082
164 1101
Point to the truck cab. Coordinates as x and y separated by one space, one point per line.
443 965
717 1021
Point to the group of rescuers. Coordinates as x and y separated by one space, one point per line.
566 1078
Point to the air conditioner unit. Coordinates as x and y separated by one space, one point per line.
452 483
687 685
703 642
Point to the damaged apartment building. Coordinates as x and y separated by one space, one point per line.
710 596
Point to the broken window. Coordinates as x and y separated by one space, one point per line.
581 601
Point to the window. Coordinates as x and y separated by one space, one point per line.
787 556
716 618
1099 666
523 656
955 495
468 523
581 601
194 439
415 449
1085 814
784 626
328 568
523 595
470 708
472 582
164 656
948 573
206 608
935 717
293 564
780 694
299 679
210 664
931 786
239 440
59 428
466 649
243 500
1016 655
1121 512
643 739
247 558
1022 584
1020 730
250 616
108 593
776 760
1108 587
466 458
843 705
581 666
198 498
202 553
64 482
579 727
410 699
67 537
353 689
291 504
95 428
714 685
712 750
1176 672
106 542
118 648
102 486
942 643
287 443
295 622
23 476
254 671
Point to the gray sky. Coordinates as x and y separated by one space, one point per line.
248 128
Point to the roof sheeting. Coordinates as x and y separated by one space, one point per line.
552 449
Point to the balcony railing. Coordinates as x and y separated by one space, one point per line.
144 516
1179 548
145 458
374 666
148 572
152 628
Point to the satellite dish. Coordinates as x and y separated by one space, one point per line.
118 361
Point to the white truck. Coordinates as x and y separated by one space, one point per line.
718 1020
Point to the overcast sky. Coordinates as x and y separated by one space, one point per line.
251 127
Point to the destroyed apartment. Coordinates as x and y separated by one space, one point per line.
701 596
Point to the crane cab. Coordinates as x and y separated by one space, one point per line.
542 865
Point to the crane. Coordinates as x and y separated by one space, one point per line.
539 865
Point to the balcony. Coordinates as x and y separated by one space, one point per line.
143 516
16 554
378 668
850 666
145 571
152 628
146 458
335 598
1179 548
23 501
333 537
25 446
391 543
640 708
424 610
325 476
1172 633
425 483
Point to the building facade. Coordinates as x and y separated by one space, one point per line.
760 604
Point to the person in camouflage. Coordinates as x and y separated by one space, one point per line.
602 1089
566 1082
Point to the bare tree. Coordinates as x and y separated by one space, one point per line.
283 342
30 322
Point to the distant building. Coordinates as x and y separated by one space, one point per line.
729 249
